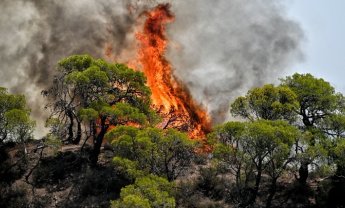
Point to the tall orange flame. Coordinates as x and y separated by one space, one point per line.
167 92
169 95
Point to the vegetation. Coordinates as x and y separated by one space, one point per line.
260 147
98 93
15 123
288 149
146 192
15 129
163 153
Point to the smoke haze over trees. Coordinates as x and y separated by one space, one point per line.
219 49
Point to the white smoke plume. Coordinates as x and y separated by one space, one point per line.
220 48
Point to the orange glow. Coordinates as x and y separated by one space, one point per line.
170 97
167 92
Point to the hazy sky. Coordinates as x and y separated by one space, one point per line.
323 22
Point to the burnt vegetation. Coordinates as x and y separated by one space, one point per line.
108 146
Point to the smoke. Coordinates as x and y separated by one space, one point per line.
225 47
36 34
220 48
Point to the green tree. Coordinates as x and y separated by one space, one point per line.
318 106
15 127
146 192
99 94
267 102
228 153
334 127
165 153
339 152
261 146
15 123
309 103
317 98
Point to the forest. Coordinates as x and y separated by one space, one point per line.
109 146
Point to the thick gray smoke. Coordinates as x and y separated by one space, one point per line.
220 48
226 47
36 34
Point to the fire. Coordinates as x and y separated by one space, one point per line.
170 97
167 92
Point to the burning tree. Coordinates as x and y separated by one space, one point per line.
170 97
100 94
167 92
106 95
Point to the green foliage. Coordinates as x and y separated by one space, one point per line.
53 142
88 114
321 112
89 83
309 103
258 147
267 102
56 126
262 140
15 122
148 191
316 97
227 132
127 168
334 125
95 94
339 151
142 156
164 153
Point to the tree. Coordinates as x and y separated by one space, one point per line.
309 103
227 151
165 153
99 94
261 146
267 102
15 123
339 152
318 103
149 191
316 97
15 127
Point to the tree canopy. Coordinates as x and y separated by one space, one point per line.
98 93
261 146
166 153
146 192
267 102
317 98
15 122
307 102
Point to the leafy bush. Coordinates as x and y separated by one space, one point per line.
146 192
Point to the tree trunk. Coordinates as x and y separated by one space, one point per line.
238 178
303 173
78 137
70 127
98 142
273 190
257 183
